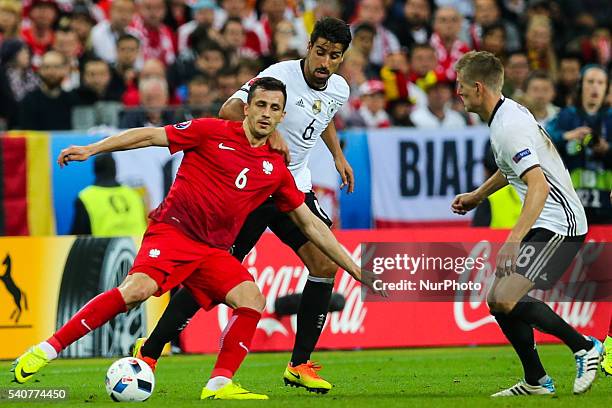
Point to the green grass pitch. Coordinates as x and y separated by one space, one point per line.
449 377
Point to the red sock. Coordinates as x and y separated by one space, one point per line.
94 314
610 328
235 341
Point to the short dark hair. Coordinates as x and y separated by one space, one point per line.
236 20
487 30
538 75
127 37
365 27
334 30
93 60
267 84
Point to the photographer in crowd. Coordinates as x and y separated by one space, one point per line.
582 133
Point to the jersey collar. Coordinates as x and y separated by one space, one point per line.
499 103
308 83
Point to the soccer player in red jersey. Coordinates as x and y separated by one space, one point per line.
227 171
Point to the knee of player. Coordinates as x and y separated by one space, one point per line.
325 269
255 301
505 307
135 291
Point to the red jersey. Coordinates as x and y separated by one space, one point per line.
221 180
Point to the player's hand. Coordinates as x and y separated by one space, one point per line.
277 143
367 278
578 133
506 258
346 173
73 153
465 202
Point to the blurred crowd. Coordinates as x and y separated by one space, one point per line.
125 63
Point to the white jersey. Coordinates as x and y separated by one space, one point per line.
520 144
308 112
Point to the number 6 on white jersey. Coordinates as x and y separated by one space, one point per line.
241 180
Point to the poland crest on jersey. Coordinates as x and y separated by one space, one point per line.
267 167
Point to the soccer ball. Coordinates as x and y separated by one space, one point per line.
129 379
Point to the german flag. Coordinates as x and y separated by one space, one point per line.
25 184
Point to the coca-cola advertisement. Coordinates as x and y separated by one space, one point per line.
465 320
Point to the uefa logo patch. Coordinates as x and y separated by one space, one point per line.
182 125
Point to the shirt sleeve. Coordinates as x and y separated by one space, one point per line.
287 196
517 148
188 135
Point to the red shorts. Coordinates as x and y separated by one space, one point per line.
170 258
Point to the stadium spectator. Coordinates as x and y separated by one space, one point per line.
247 70
10 19
105 34
539 94
240 9
98 98
363 42
517 71
156 39
151 69
423 64
82 22
373 12
285 40
582 135
107 208
153 110
445 40
39 34
318 10
494 40
66 42
371 114
437 114
203 20
124 68
486 13
540 50
201 101
15 58
226 83
415 27
210 59
597 48
233 39
395 76
399 111
96 83
49 107
178 12
569 74
353 70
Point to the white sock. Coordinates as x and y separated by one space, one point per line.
48 349
217 383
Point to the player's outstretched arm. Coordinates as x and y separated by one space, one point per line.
322 237
468 201
126 140
330 137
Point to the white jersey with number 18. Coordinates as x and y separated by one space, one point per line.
519 144
308 112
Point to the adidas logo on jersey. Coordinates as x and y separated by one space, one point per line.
300 103
267 167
